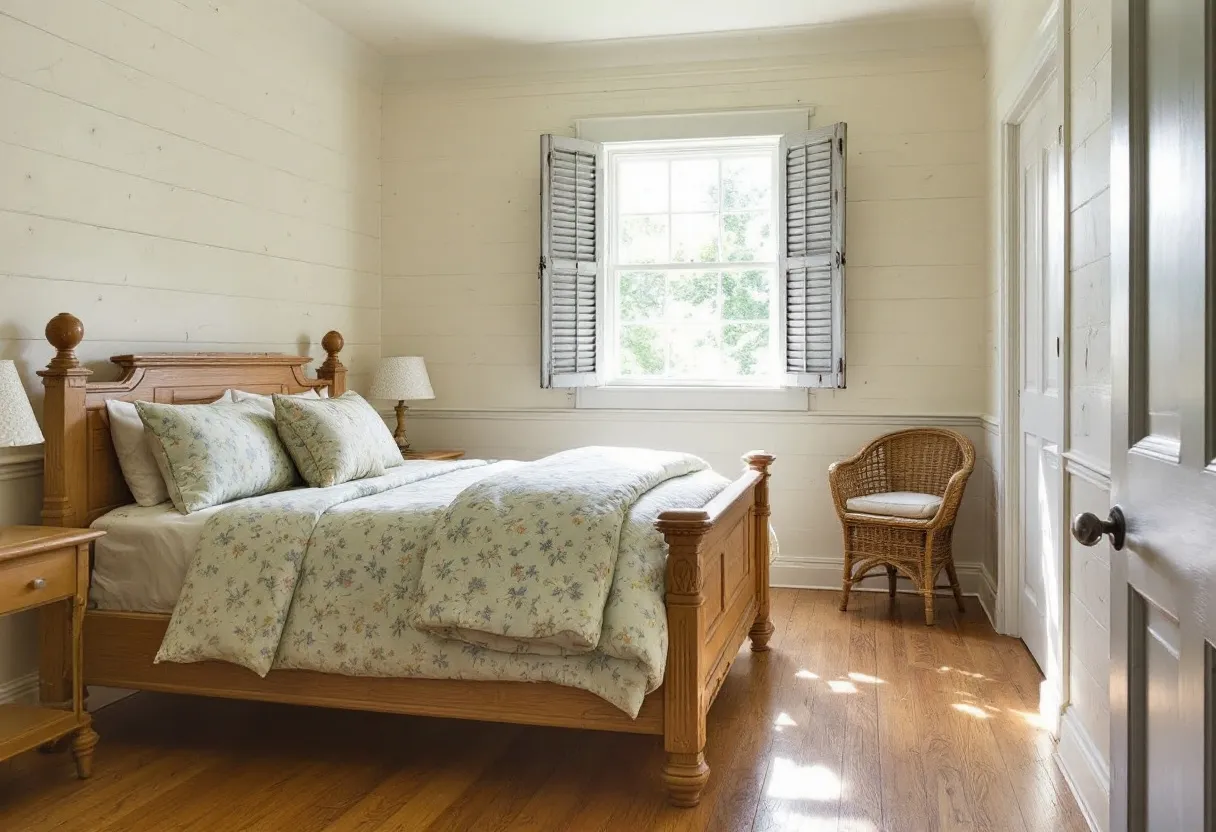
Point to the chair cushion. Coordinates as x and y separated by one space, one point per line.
909 504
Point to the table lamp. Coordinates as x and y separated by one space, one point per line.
17 423
401 378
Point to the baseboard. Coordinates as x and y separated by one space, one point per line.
827 573
1087 774
24 691
20 691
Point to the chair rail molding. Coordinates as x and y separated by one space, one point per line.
20 466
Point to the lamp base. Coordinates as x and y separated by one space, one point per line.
399 433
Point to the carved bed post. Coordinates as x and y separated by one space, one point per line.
332 369
762 630
685 771
65 483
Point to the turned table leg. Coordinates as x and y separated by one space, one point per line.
83 743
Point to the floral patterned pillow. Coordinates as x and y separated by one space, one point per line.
215 453
335 440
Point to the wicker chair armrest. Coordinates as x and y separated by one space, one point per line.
844 482
952 498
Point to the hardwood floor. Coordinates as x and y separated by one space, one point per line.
857 721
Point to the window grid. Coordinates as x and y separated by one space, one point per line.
617 323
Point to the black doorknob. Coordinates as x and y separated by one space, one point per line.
1088 528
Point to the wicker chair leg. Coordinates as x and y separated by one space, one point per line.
891 573
844 597
929 607
847 581
958 592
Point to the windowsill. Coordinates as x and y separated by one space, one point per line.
692 398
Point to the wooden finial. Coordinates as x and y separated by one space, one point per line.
331 369
65 332
332 343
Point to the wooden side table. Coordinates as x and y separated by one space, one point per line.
413 453
41 566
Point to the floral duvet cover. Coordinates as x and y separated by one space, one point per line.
329 580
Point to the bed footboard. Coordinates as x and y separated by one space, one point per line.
717 594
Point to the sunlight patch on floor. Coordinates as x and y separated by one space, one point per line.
784 721
866 678
842 686
971 710
790 781
806 674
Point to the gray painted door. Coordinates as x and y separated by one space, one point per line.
1163 443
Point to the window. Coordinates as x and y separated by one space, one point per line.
693 262
691 288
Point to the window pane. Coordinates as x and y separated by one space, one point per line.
642 351
694 352
643 239
694 238
692 296
641 295
745 349
747 237
746 295
694 185
747 182
641 186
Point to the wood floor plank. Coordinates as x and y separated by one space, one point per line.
861 771
849 723
908 804
968 718
1043 798
802 789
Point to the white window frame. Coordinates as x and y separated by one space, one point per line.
734 127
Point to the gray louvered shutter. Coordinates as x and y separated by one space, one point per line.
571 260
811 255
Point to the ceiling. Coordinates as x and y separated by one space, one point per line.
411 26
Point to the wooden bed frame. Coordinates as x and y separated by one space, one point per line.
717 575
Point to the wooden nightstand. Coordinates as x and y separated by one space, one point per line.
40 566
413 453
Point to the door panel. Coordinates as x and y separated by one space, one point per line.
1041 302
1163 582
1163 721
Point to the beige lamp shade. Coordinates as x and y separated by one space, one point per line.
401 378
17 423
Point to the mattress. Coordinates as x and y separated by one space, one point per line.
140 564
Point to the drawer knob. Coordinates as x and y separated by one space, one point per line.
38 583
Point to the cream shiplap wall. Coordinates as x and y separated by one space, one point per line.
215 157
461 229
1010 28
193 175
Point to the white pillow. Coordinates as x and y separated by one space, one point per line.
267 402
131 445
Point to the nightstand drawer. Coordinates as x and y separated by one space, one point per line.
37 579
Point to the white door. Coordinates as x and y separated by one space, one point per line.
1041 302
1163 442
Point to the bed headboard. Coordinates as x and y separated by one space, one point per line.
82 480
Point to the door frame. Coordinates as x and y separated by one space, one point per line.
1045 60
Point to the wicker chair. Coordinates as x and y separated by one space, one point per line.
897 500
